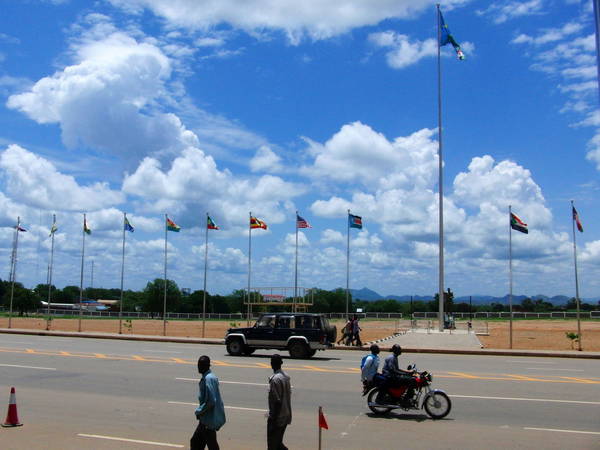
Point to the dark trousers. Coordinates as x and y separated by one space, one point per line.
203 437
275 436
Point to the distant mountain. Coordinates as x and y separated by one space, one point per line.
369 295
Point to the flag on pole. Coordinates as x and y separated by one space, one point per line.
447 38
20 228
354 221
86 229
53 229
322 419
577 221
210 224
257 223
172 226
302 223
128 226
518 224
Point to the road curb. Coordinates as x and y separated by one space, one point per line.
217 341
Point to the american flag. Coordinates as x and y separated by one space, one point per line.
301 223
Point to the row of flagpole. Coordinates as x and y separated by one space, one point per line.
515 223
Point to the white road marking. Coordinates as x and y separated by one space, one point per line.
225 382
135 441
561 431
529 362
160 351
552 368
226 407
523 399
27 367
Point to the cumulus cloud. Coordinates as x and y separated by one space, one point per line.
36 182
402 52
357 153
265 160
311 18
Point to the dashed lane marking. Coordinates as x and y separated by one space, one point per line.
240 408
134 441
224 382
304 368
561 431
27 367
524 399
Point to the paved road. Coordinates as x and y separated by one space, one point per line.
84 393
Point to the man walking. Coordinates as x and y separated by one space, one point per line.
280 405
210 412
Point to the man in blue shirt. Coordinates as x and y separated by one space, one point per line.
370 367
210 412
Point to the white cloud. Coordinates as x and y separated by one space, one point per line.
503 11
330 236
550 35
310 18
36 182
403 52
359 155
265 160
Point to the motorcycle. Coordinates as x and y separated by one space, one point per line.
383 395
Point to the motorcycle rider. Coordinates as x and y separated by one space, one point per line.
370 367
398 376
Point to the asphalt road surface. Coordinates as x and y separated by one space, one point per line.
84 393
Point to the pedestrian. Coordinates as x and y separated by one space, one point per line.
347 331
280 405
356 329
210 412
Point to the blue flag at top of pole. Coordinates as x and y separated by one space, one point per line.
354 221
447 38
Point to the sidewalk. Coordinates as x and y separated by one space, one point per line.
427 343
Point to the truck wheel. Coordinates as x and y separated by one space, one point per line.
298 350
235 347
248 350
311 353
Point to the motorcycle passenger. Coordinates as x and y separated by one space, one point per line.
370 367
396 375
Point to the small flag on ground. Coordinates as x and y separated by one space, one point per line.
172 226
302 223
354 221
518 224
128 226
322 419
257 223
210 224
577 221
86 229
447 38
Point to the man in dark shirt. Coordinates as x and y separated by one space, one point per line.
392 370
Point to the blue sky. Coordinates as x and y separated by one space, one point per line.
187 107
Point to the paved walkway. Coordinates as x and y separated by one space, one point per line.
422 338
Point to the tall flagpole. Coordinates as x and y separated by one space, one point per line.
296 271
81 277
165 294
50 267
441 179
205 267
348 265
122 276
597 22
249 262
576 279
510 278
13 270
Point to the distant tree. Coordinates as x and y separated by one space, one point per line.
153 296
69 294
527 305
235 301
42 291
24 300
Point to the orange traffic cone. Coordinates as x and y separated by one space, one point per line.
12 418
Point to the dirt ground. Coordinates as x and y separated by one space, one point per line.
527 334
542 335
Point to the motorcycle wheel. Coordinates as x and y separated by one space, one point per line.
437 405
374 397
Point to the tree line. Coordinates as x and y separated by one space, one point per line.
151 298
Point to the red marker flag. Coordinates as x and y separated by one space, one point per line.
322 419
